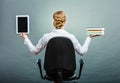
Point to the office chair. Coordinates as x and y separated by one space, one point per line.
60 61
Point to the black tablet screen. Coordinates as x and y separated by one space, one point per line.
22 24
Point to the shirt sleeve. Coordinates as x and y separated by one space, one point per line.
35 49
84 48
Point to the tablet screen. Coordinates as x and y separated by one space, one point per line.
22 24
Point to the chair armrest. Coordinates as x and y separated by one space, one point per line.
81 67
40 68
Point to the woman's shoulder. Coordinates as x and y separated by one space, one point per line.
72 35
46 34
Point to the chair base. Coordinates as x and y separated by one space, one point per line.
60 74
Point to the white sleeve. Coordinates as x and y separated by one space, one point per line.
82 49
35 49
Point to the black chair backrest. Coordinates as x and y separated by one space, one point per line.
60 54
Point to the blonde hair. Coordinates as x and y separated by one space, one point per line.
59 19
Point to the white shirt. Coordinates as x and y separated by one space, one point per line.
54 33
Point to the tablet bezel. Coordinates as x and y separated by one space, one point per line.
17 24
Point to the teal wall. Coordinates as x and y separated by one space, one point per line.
102 61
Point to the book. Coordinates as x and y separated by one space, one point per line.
95 30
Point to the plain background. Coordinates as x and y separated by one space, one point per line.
102 61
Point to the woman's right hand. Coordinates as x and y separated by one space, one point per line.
93 35
23 35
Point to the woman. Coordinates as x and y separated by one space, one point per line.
59 22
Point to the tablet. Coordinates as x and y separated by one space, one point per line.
22 24
95 30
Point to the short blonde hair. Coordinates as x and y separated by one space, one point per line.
59 19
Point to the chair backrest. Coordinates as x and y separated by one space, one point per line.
60 54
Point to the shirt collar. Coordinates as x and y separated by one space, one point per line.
58 29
